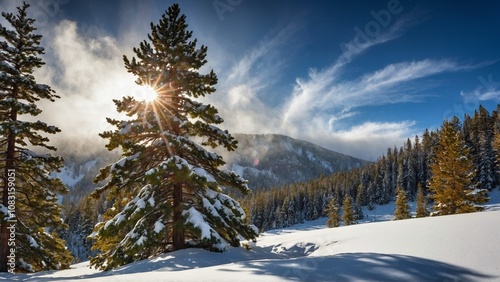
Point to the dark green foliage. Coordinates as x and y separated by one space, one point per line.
168 189
496 143
81 219
376 183
25 153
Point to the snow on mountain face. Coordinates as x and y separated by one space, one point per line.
265 160
79 172
74 173
272 160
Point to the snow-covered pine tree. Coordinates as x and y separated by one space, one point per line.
29 197
402 209
173 187
496 139
486 166
81 219
361 197
419 162
410 172
452 173
485 157
358 212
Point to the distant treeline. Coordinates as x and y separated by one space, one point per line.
376 183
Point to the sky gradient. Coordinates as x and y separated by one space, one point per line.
355 77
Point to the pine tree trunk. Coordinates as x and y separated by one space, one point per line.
4 234
178 226
9 164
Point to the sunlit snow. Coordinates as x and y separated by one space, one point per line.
446 248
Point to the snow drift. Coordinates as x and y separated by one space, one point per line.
448 248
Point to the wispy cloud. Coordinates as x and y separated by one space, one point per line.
87 71
486 90
243 85
323 90
318 103
260 60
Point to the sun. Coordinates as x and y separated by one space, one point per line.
146 93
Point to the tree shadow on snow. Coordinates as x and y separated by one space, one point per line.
363 266
190 258
294 266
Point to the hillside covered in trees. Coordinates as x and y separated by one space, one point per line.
407 167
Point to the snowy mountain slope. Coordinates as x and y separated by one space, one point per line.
80 170
269 160
265 160
448 248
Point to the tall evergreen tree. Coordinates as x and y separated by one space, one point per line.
419 162
496 139
421 203
81 219
429 143
402 210
348 214
175 185
486 161
481 135
411 172
29 207
333 214
453 172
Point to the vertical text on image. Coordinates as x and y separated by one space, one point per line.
11 207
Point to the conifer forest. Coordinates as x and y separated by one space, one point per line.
170 176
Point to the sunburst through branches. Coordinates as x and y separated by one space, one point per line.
147 94
157 100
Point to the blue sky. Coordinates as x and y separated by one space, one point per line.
352 76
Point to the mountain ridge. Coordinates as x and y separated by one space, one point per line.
265 160
269 160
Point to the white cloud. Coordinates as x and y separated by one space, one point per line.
487 90
367 140
242 85
481 95
318 103
87 72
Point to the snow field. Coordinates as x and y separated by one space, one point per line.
448 248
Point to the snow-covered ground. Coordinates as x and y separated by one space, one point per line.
447 248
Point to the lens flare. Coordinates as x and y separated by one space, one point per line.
147 94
